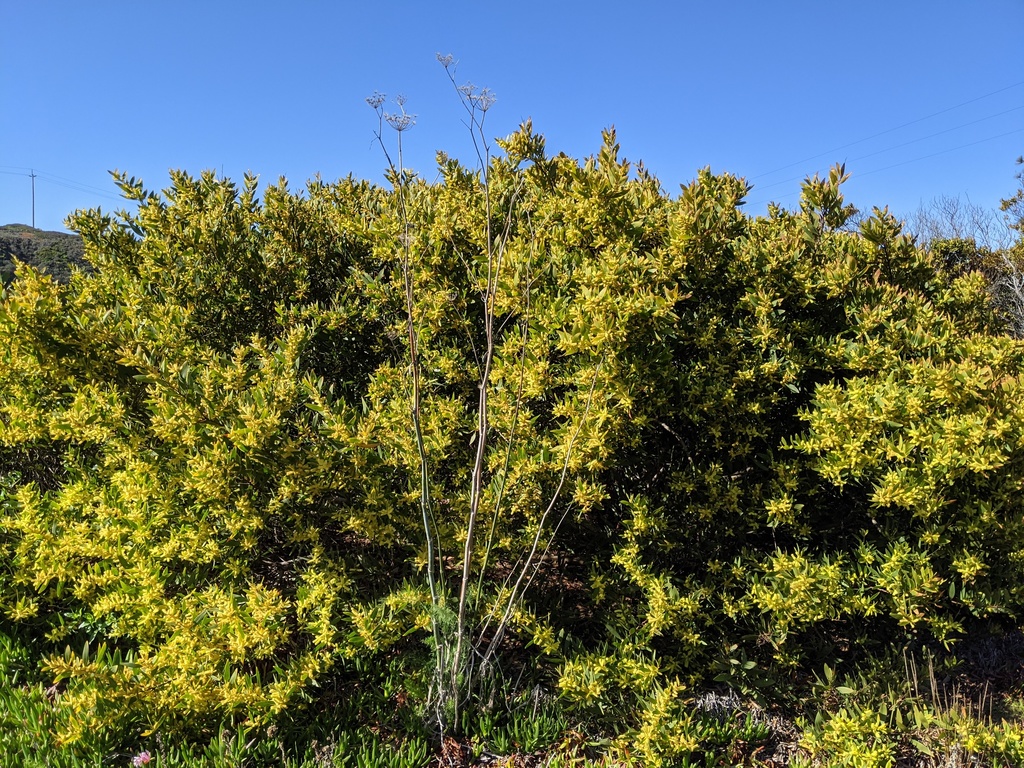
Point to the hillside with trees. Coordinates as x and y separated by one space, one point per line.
533 461
56 253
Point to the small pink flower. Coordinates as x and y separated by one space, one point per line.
141 759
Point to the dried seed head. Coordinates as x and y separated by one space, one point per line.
483 100
401 121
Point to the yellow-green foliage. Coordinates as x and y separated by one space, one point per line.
852 740
665 733
748 430
871 734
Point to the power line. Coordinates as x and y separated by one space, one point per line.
939 133
53 177
905 162
78 188
942 152
890 130
62 181
59 181
905 144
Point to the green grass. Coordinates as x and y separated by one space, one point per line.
931 707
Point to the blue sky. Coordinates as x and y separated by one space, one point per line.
920 99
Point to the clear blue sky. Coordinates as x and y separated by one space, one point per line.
920 98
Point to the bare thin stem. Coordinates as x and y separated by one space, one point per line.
476 103
509 447
400 123
514 597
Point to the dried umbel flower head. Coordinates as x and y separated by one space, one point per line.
400 121
482 99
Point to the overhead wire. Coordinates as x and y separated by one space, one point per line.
79 188
905 144
832 152
890 130
942 152
61 181
84 186
897 165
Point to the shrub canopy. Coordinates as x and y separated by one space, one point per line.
741 443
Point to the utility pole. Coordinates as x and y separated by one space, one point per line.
33 175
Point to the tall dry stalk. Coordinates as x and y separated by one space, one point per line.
455 655
401 122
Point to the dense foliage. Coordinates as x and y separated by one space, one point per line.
719 448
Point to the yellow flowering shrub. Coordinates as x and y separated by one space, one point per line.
706 438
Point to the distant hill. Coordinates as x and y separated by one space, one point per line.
52 252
